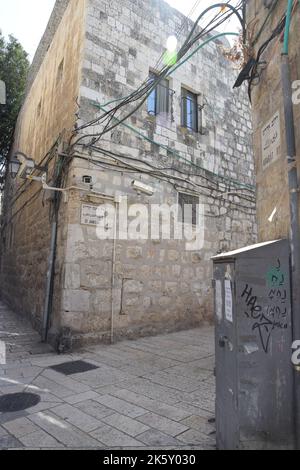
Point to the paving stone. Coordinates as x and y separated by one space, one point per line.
44 385
9 442
7 417
196 410
157 438
191 372
155 406
3 432
199 423
94 409
73 399
166 425
43 406
151 390
175 381
22 372
63 432
20 427
125 424
76 417
112 437
110 389
69 383
103 376
40 440
121 406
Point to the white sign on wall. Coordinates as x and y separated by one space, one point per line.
271 141
228 302
89 215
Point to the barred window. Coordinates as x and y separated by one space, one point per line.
188 208
189 110
159 99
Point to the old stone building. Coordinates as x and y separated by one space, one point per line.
189 141
268 114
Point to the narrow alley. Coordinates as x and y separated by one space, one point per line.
148 393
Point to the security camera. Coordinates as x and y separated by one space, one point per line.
143 188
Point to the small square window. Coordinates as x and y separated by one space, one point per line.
188 205
189 110
159 99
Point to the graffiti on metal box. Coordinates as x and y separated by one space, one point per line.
273 316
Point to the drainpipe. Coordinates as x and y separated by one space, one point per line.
113 276
49 282
294 206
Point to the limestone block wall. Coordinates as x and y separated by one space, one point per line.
103 50
48 111
272 184
159 286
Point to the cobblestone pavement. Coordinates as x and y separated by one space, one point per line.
155 393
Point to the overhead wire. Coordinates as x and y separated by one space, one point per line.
143 93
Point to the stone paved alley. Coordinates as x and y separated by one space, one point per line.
151 393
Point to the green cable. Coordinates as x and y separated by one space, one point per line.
200 47
212 7
169 149
247 186
287 27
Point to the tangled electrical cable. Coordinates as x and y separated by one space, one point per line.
209 188
254 73
206 184
147 87
254 67
108 116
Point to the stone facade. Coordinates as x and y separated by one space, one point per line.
158 285
267 101
49 109
54 21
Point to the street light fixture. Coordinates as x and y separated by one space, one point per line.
22 167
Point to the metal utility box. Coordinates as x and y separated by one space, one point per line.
254 404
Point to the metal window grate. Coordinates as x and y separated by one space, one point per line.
189 110
188 208
160 98
75 367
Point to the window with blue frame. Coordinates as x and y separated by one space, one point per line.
189 110
159 99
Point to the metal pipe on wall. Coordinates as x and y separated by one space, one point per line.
113 276
49 282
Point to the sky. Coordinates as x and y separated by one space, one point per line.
27 19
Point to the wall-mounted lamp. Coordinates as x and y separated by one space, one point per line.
20 166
